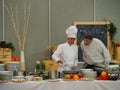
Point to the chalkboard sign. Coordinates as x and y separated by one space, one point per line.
96 30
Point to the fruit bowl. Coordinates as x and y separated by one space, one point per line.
72 76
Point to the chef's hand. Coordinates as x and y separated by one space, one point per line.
106 65
60 62
73 67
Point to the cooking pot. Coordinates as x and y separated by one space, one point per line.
53 74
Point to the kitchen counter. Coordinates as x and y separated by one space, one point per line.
62 85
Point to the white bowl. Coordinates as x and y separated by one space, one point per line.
29 78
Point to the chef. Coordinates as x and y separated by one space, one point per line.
66 54
95 54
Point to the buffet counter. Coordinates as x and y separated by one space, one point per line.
61 85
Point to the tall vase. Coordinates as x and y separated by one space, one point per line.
22 60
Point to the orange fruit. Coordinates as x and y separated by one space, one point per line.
76 77
104 73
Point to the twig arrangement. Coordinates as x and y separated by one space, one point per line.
21 35
14 17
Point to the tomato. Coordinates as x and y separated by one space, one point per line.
79 75
71 76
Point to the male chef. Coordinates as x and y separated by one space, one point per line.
66 55
95 54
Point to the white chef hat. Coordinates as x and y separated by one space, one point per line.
71 32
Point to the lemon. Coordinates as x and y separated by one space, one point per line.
67 76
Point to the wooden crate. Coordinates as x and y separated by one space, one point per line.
5 55
117 61
117 53
50 65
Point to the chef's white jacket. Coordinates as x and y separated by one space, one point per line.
96 53
68 54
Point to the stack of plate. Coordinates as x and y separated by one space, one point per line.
2 67
12 66
6 75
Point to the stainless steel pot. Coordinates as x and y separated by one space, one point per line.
53 74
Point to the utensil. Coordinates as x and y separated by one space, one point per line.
15 68
62 66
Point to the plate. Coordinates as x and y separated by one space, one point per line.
18 80
86 79
3 81
69 80
53 80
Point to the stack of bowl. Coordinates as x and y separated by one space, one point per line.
89 73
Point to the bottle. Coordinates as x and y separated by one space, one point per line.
37 65
43 65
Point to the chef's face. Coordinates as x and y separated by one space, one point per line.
71 40
87 41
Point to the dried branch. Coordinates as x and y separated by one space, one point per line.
15 22
26 19
11 14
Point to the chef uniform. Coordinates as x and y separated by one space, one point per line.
95 53
67 53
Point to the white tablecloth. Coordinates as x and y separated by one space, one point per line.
62 85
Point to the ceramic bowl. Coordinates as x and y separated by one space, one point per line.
29 78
